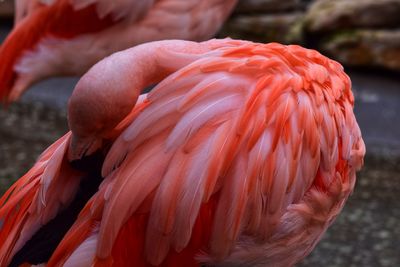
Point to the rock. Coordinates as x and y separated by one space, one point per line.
267 6
327 15
378 48
263 28
6 9
26 129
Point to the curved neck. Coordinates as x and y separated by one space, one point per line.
109 90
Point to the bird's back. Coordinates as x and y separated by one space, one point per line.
242 158
264 134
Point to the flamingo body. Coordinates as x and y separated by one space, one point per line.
242 155
67 37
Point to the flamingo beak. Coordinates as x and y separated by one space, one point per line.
21 84
81 147
15 94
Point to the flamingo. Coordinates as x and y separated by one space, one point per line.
67 37
242 155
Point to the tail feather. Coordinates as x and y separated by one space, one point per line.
128 249
59 20
75 236
12 221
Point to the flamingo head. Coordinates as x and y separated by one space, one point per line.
20 69
100 101
19 72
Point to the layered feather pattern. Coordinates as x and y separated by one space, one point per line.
254 125
242 157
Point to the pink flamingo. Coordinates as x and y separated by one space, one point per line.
67 37
242 155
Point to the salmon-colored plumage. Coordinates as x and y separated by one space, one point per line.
242 155
66 37
59 21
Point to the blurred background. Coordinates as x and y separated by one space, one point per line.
364 35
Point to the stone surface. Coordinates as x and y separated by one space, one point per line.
366 233
263 28
377 107
328 15
26 129
377 48
6 8
267 6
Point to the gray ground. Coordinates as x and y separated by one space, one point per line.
367 233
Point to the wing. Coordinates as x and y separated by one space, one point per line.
23 209
227 147
25 8
62 19
118 9
43 192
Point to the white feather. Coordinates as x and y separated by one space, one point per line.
196 117
84 255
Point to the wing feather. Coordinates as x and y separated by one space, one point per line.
246 148
118 9
137 177
231 208
198 116
24 210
